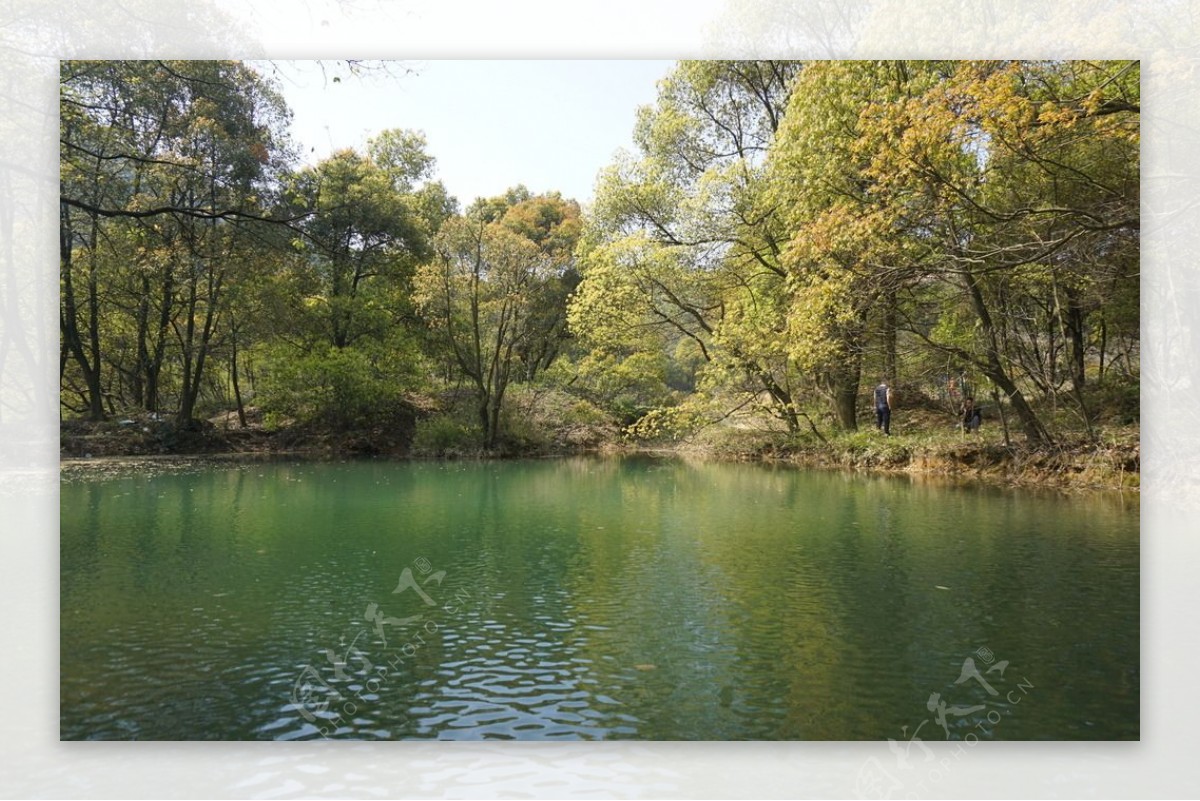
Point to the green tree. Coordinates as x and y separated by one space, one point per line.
365 230
347 344
495 293
1018 180
681 240
159 156
844 260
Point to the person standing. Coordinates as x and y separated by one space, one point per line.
883 407
972 415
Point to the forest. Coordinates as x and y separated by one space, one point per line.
785 236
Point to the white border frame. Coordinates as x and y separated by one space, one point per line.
36 34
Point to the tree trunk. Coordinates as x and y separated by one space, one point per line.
94 384
1030 423
237 390
1103 345
782 399
503 375
69 321
154 366
494 429
184 412
1003 419
197 350
485 420
138 377
783 403
840 385
889 336
994 369
845 405
1075 326
1075 330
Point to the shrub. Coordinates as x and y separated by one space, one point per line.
444 435
342 388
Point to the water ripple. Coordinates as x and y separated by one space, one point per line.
659 601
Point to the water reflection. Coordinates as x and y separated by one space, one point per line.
596 599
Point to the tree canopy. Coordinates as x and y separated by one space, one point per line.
784 235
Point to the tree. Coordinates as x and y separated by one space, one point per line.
181 154
348 342
682 241
844 259
364 223
1004 173
978 207
495 293
553 225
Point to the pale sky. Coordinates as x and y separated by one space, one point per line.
551 125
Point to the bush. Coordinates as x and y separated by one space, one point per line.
584 413
729 442
1115 401
444 435
340 388
542 418
627 387
668 424
520 434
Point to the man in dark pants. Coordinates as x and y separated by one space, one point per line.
883 407
972 415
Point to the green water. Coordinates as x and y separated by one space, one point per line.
591 599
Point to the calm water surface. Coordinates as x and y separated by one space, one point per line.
632 598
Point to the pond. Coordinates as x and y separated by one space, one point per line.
584 598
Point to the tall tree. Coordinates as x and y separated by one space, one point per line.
159 153
364 224
229 142
346 346
495 293
1007 169
844 259
681 239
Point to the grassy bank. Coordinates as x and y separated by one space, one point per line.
1110 461
922 443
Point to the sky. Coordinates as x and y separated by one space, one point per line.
550 125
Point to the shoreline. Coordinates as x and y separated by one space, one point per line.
967 463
